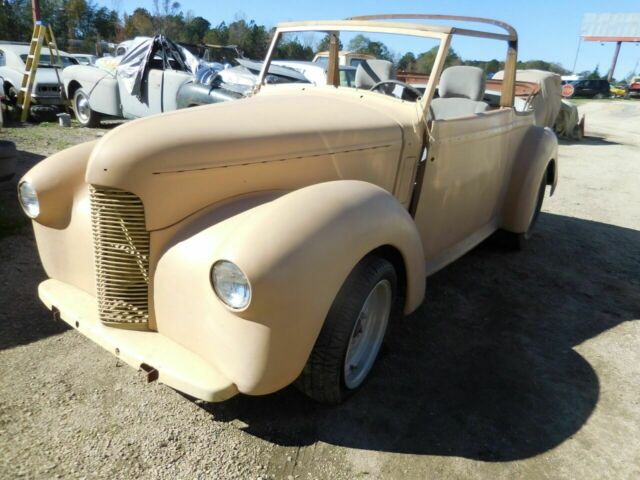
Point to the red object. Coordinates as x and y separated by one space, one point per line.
567 90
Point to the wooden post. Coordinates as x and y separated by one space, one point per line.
509 79
333 70
615 60
35 10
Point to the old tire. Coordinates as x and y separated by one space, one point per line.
353 332
517 241
84 114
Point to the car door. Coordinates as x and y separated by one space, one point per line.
151 101
172 80
462 184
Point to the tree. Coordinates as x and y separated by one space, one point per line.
195 30
407 62
595 75
139 23
323 45
294 50
363 44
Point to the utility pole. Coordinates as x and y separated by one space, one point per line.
615 60
35 10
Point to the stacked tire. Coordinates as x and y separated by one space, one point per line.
8 159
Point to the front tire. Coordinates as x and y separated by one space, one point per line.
353 332
82 109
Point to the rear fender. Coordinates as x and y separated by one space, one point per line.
537 152
296 251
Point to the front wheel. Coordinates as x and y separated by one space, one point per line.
353 332
85 116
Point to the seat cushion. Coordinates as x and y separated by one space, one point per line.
370 72
446 108
462 82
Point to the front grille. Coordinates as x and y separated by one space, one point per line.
121 249
48 90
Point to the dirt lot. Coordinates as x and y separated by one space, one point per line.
518 365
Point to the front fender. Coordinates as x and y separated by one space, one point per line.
538 148
99 84
296 251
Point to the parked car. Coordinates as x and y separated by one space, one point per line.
143 82
225 84
590 88
85 58
46 89
345 57
634 87
242 246
238 82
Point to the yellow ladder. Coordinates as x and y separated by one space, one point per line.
41 33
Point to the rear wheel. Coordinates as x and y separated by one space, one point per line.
82 109
352 334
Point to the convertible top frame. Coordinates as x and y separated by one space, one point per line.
400 26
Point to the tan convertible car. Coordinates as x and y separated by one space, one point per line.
241 247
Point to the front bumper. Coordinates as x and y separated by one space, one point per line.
176 366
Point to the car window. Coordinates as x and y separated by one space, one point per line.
356 61
348 78
45 60
324 61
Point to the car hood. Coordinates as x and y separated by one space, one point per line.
47 76
168 159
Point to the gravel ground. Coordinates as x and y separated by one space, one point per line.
519 365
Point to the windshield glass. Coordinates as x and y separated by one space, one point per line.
45 61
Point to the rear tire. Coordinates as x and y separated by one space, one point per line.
353 332
82 110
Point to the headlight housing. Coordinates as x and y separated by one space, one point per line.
230 284
29 199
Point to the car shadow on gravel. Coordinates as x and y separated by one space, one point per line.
588 141
23 319
486 368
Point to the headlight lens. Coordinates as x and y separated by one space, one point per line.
29 199
230 284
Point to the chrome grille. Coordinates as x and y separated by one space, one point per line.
121 250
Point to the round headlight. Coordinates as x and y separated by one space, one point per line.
29 199
230 284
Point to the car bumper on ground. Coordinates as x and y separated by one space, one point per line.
160 357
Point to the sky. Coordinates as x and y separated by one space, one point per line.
548 29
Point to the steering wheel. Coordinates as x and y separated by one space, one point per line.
406 86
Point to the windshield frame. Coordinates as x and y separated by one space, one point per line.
381 24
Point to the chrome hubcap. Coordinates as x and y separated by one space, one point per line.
367 334
83 110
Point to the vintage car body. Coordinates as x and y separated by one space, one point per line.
46 89
145 81
303 210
